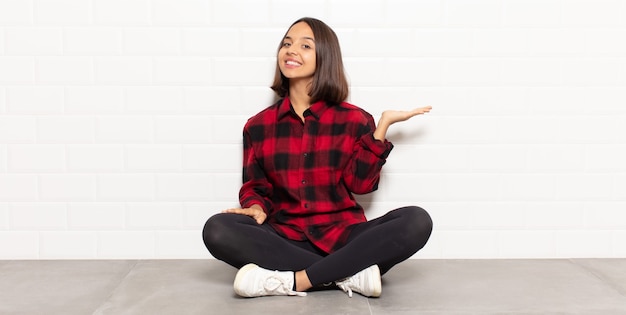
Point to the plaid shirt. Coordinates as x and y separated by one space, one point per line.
303 174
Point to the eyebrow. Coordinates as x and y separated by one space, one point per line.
305 37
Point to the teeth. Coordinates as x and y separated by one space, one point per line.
292 63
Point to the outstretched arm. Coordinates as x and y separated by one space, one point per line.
390 117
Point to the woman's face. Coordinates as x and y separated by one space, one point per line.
296 57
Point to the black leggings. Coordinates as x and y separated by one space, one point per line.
237 240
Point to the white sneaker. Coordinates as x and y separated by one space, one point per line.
253 281
366 282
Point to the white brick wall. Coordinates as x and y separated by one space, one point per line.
120 120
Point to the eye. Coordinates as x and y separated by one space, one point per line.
286 44
307 46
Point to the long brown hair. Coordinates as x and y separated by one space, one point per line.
329 80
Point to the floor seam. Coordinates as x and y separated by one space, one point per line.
115 289
600 277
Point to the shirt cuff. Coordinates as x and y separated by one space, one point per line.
379 148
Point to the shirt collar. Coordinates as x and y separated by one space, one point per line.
316 110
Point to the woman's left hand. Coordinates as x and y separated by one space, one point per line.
390 117
394 116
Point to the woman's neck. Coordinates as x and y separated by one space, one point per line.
299 97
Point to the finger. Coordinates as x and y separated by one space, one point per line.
237 211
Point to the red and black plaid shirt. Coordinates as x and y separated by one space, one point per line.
303 174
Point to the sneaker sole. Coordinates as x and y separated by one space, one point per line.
376 282
239 278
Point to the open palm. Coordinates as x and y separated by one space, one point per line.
394 116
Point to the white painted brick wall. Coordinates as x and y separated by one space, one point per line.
120 120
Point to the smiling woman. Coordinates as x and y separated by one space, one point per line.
304 159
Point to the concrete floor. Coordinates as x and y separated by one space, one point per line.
580 286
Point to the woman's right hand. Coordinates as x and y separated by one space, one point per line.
255 212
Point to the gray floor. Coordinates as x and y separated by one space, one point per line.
586 286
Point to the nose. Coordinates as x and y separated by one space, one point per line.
291 51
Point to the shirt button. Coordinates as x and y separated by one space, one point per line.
306 154
306 205
304 181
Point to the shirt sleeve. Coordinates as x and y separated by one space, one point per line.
256 189
362 173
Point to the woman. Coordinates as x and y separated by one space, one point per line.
299 226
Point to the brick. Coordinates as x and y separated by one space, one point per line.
584 244
38 216
560 215
152 41
428 13
498 158
283 18
213 100
3 158
36 158
123 70
62 12
225 186
259 71
96 215
201 41
65 129
65 70
126 187
527 244
241 13
19 245
16 12
17 70
122 12
260 42
4 216
153 158
584 187
68 245
34 41
197 213
227 129
605 158
479 13
469 244
35 100
428 159
187 70
155 216
92 40
18 187
556 158
124 129
95 158
126 244
605 215
529 187
18 129
602 13
154 99
94 100
434 43
212 158
532 13
183 129
470 72
185 187
370 13
180 244
181 12
67 187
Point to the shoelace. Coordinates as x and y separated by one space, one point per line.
345 286
277 284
